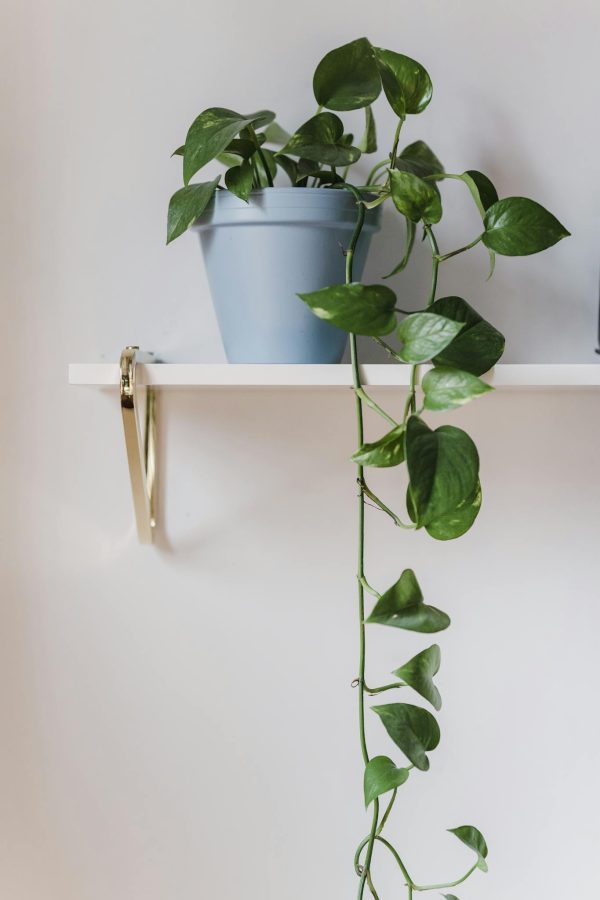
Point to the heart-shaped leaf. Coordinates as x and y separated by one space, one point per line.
402 606
419 672
414 198
443 466
275 134
412 729
446 388
479 345
419 159
358 308
406 83
387 451
321 140
517 226
186 205
347 77
381 776
211 132
424 335
474 839
457 522
239 180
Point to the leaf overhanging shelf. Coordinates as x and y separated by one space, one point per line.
136 370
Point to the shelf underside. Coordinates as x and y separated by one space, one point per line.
204 375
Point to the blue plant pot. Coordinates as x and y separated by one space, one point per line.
260 255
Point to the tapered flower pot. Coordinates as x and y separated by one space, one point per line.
260 255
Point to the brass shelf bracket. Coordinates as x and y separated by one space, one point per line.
140 442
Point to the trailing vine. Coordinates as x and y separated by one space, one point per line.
444 493
447 333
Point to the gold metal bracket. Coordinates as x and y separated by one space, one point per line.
140 443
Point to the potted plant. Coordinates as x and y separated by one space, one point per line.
441 464
261 242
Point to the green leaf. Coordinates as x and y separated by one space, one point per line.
211 132
347 77
387 451
320 140
406 83
414 198
418 674
270 159
457 522
482 190
368 142
244 147
358 308
419 159
228 159
424 335
186 205
473 839
479 345
239 180
179 151
381 776
447 388
412 729
410 240
443 466
449 896
275 134
402 606
289 166
517 226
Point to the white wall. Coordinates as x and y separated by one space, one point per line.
177 721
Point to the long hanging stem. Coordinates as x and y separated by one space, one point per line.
411 400
361 544
435 263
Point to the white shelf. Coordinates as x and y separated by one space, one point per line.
202 375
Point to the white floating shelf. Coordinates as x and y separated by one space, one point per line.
203 375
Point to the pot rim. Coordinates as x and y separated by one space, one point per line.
281 205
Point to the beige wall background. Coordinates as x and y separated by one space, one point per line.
177 721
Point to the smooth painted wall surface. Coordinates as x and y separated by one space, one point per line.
177 721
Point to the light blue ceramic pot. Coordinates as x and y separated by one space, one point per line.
259 255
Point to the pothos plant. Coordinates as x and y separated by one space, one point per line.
442 464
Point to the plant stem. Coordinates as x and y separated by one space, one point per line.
446 256
396 139
438 887
411 400
384 687
435 263
386 814
392 850
261 156
362 395
372 886
361 543
378 502
369 589
376 168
